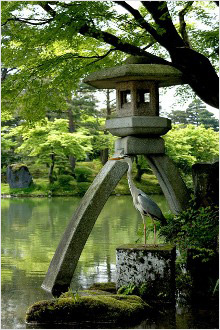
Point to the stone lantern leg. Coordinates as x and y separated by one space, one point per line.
138 126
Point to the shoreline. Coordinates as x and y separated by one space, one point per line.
7 196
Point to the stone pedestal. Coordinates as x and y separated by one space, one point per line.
138 126
148 267
131 145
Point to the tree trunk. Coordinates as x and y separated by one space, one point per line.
206 183
140 171
105 152
72 129
104 156
51 179
198 73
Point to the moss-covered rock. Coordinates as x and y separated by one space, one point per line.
100 308
107 287
18 176
89 292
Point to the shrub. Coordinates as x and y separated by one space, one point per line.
194 229
83 173
64 180
82 188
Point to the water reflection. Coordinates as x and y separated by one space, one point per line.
31 231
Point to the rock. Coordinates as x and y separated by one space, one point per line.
97 308
18 176
107 287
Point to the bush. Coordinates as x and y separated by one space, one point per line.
83 173
64 180
82 188
194 229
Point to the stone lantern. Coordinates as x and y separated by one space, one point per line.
138 125
137 93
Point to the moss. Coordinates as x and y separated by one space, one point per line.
89 292
147 247
16 167
108 287
104 308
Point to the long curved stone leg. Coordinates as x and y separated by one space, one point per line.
65 259
171 183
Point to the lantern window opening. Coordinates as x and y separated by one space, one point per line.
143 96
125 97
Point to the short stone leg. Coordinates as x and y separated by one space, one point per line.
171 183
153 267
64 262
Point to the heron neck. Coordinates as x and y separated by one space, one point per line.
131 184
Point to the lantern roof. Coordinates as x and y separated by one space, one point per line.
135 68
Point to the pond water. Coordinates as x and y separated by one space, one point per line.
31 231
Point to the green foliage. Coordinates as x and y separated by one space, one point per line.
49 56
8 145
147 291
65 180
49 142
194 229
82 187
195 114
189 145
183 282
129 289
83 174
216 288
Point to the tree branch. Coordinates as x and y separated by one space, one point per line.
123 46
111 39
140 20
182 29
97 57
168 33
4 73
217 3
45 5
149 45
28 21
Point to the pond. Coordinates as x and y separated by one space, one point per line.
31 231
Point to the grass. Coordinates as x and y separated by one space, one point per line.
42 187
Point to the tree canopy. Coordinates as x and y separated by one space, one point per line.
192 145
195 114
48 46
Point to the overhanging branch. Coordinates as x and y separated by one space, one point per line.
183 31
110 39
170 38
30 21
140 20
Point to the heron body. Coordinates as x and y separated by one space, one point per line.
143 203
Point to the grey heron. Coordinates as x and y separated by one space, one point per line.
142 202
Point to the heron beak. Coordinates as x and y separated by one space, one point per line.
115 158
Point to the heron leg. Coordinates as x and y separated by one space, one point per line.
145 236
154 229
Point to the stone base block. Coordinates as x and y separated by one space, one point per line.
131 145
149 268
138 125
